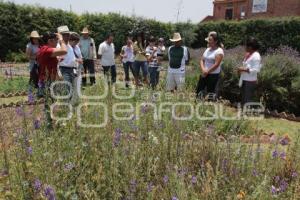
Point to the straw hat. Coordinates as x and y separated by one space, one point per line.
63 29
34 34
85 30
210 34
176 37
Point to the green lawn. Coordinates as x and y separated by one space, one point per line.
278 126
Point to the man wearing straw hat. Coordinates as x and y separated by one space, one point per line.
178 57
88 50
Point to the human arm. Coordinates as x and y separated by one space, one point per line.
63 47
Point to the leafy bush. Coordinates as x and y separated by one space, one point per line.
17 25
278 80
16 57
271 32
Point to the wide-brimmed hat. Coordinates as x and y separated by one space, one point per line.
85 30
63 29
34 34
176 37
210 34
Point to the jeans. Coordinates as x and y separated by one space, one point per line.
89 66
248 91
69 76
209 83
154 76
113 72
138 65
128 66
34 76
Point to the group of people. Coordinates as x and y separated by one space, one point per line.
69 54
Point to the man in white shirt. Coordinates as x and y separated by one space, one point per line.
68 63
106 54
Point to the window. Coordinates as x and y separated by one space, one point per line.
243 12
229 14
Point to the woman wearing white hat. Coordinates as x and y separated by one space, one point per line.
32 49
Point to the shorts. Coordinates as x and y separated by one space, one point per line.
175 81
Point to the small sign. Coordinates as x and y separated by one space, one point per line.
260 6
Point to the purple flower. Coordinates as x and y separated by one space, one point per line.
37 185
30 98
29 150
174 198
273 190
283 155
224 165
275 154
150 187
182 172
133 184
194 180
277 179
284 141
41 84
254 172
49 193
69 166
283 185
117 137
166 179
36 124
20 111
294 175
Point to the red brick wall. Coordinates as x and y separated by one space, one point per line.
276 8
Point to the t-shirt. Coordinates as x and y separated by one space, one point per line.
161 50
88 49
128 52
149 52
178 56
107 52
209 57
34 50
253 63
48 64
137 51
69 60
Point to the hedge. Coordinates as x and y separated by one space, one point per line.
17 21
272 33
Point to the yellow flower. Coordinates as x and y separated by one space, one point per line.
241 195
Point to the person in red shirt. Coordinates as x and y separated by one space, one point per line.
47 59
47 56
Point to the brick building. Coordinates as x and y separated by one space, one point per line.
244 9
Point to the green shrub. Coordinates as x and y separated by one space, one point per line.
278 81
271 32
19 57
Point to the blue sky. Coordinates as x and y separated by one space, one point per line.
162 10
